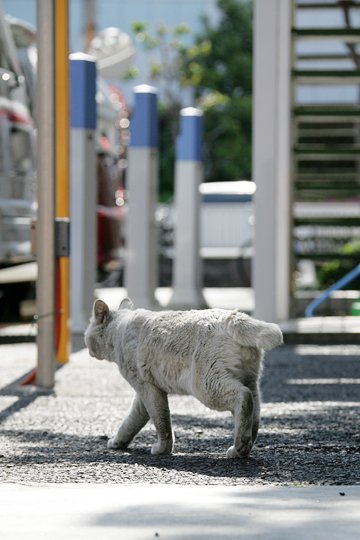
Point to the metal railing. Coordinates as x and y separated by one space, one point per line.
350 276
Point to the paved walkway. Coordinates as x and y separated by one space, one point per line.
128 512
58 481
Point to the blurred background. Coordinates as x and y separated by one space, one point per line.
196 52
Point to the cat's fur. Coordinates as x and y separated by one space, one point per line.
212 354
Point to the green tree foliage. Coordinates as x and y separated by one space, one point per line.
218 69
165 48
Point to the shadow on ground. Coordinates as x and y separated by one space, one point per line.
309 432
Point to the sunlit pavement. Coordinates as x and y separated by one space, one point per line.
59 481
178 512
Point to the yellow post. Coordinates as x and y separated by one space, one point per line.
62 173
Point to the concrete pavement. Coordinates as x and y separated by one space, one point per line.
172 512
60 482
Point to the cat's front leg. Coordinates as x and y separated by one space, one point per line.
164 445
132 424
156 402
114 444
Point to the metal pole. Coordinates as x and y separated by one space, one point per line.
83 191
272 159
348 278
187 271
89 17
62 210
46 200
141 262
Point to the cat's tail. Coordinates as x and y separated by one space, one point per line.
250 332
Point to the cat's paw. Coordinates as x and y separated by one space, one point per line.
232 453
162 447
113 444
245 447
242 452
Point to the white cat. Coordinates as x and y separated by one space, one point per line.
212 354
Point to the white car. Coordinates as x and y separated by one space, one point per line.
226 233
227 219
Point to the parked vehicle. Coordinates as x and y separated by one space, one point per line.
18 200
17 155
111 164
226 233
110 111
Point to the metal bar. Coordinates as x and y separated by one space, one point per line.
272 142
326 77
83 192
46 203
321 5
322 56
335 287
350 36
187 281
141 262
62 169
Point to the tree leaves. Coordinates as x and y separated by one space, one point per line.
218 67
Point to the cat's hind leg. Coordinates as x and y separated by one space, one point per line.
156 402
224 392
244 428
131 425
256 411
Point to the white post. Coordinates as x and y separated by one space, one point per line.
187 271
45 292
272 158
141 272
82 190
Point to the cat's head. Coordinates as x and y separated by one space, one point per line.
97 338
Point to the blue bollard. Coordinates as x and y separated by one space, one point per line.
83 190
187 274
141 272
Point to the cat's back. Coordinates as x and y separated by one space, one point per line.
176 332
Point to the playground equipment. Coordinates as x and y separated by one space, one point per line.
350 276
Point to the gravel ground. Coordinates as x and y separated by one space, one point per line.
309 432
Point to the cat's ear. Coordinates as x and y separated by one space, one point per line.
126 303
101 311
